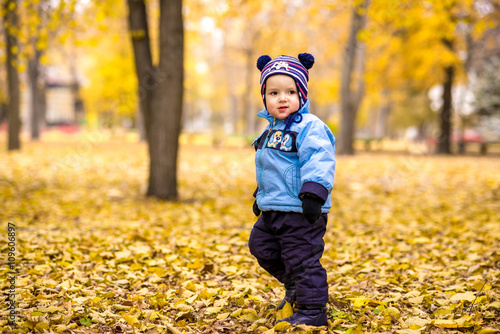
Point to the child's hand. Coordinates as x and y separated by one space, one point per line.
256 209
311 208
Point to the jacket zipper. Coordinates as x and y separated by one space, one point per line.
260 160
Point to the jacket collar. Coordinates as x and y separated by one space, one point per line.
265 114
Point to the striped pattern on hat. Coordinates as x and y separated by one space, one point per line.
291 66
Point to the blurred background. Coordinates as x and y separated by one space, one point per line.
409 75
89 90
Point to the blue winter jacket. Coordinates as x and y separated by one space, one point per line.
294 163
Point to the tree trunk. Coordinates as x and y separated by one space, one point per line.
75 88
14 121
467 64
160 91
166 111
138 26
36 107
444 143
139 124
351 99
382 117
3 112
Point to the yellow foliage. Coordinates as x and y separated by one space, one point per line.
131 320
285 312
411 239
282 326
359 302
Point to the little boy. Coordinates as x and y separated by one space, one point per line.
295 165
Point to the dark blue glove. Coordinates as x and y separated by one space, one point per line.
311 208
256 209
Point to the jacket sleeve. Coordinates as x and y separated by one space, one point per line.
316 150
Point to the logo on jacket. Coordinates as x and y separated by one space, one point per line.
278 140
286 143
275 139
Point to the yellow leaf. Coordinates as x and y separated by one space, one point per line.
416 300
362 301
131 320
124 255
223 248
468 296
50 309
60 328
463 322
120 307
96 318
286 311
249 311
96 300
488 331
417 323
222 316
408 331
236 313
204 294
136 266
172 329
191 299
229 270
65 285
190 286
419 240
481 286
153 316
80 300
197 264
282 326
393 312
184 308
337 322
220 302
213 310
248 317
495 305
41 327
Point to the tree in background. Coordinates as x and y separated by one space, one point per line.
48 24
160 91
45 24
395 58
11 28
351 95
110 90
37 106
413 46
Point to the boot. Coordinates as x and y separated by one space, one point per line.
310 316
290 297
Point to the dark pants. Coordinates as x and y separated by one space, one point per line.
289 248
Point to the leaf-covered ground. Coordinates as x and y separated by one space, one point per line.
413 244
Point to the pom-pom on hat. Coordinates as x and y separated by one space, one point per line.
297 68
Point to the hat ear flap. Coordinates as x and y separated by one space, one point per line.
262 62
306 59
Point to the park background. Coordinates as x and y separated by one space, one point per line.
128 172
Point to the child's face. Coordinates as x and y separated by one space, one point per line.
282 97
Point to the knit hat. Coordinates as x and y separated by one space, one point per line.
297 68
